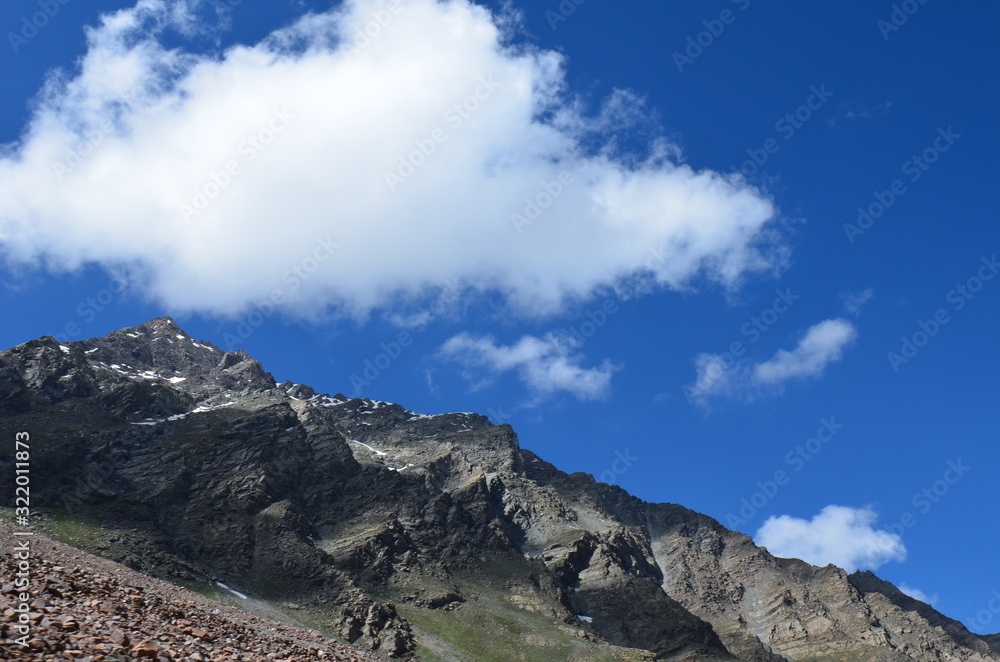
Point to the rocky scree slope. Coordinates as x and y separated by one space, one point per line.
91 609
407 534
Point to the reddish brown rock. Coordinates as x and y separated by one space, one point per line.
95 610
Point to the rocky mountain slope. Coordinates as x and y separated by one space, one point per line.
88 608
411 535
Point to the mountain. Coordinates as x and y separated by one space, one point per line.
431 536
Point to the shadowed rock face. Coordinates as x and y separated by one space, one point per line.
200 467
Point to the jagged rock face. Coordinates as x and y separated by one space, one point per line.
795 609
207 469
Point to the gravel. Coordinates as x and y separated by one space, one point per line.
85 608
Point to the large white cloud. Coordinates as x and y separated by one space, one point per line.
843 536
312 124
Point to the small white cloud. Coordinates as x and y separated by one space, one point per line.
853 302
858 111
840 535
429 379
718 375
546 365
822 344
714 376
917 594
664 396
418 320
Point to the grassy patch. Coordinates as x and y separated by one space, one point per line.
425 654
83 530
505 619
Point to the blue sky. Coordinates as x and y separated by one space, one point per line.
696 310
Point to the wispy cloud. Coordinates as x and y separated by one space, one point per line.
432 386
843 536
546 365
717 375
417 320
855 301
215 172
862 111
822 344
859 111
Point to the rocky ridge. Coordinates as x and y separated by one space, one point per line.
415 535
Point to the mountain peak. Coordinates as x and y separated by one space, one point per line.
165 322
154 327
